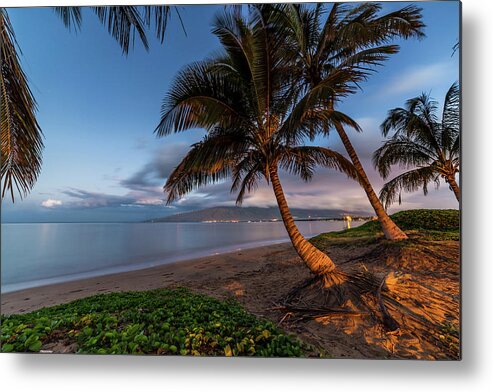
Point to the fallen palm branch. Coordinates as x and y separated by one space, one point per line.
388 321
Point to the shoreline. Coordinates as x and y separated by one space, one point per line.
134 262
137 266
197 270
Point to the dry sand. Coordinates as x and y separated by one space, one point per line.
424 279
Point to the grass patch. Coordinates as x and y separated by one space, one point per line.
435 225
431 220
166 322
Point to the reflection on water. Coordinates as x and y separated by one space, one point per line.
34 254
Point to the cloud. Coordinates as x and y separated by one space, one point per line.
143 188
81 198
153 174
50 203
150 202
143 193
418 79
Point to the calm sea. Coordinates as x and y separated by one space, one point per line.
44 253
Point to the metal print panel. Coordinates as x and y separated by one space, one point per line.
273 180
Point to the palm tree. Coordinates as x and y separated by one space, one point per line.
21 136
422 142
255 122
348 45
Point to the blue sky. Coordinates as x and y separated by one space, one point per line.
98 110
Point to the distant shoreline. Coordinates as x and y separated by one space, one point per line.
354 218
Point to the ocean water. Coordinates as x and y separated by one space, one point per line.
43 253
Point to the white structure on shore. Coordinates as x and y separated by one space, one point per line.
348 219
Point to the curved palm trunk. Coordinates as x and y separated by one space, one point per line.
317 261
390 229
453 184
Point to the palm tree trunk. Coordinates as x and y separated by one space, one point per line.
317 261
453 184
390 229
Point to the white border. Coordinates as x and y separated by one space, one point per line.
87 373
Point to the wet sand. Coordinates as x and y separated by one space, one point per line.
198 271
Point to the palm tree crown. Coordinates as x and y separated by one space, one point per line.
422 141
346 43
348 40
255 120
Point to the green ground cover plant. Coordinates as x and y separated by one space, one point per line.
163 322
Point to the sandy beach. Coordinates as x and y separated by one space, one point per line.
425 281
193 273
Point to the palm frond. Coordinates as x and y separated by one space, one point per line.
302 161
211 160
455 150
404 23
403 151
246 175
21 135
416 121
410 181
70 16
450 115
123 23
420 140
157 17
201 97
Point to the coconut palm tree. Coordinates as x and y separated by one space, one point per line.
255 120
21 136
431 147
349 43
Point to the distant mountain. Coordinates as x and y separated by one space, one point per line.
245 214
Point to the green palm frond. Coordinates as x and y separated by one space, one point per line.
418 121
201 96
410 181
403 151
351 42
21 135
351 30
404 23
302 161
420 140
451 107
199 168
455 150
123 23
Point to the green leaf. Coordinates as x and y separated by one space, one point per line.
35 346
6 348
